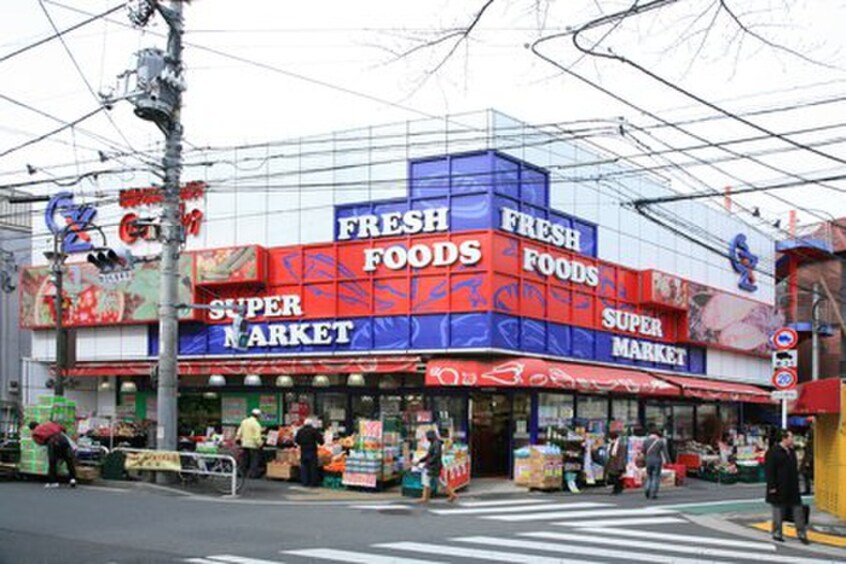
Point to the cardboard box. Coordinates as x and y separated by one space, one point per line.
288 456
282 471
87 473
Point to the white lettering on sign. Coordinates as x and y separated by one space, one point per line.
394 223
615 319
539 229
294 334
267 306
445 253
564 269
634 349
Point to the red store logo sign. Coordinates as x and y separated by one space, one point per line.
130 232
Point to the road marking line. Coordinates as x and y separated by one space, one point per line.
381 507
665 547
576 549
485 555
553 515
199 561
695 539
519 509
618 522
814 536
241 559
360 557
503 502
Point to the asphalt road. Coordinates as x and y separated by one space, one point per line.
102 525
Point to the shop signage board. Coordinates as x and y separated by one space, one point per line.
784 378
473 258
161 460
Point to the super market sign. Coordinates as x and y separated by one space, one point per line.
473 258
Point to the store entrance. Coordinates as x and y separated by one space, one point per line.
489 427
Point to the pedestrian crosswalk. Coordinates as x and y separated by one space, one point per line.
587 547
555 532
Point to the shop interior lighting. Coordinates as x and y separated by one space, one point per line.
105 385
284 382
128 387
320 381
210 395
217 381
253 380
388 383
355 380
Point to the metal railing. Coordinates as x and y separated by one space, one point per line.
209 465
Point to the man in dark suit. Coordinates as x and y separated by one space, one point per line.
615 466
783 486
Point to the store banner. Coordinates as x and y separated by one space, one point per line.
538 373
159 460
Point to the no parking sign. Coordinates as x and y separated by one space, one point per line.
785 339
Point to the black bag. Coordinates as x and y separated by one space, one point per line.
788 514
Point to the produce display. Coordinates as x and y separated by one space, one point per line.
546 467
49 408
376 456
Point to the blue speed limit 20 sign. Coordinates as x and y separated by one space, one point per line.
784 378
785 339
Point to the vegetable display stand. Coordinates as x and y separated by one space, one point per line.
751 474
374 463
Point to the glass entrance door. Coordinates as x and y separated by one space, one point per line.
490 418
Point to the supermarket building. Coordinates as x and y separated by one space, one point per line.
475 268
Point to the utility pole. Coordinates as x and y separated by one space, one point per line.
158 98
56 261
815 332
171 242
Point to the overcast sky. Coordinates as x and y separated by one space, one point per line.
300 68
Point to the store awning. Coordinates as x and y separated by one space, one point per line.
537 373
718 390
815 398
265 366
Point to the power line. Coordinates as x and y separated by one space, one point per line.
58 34
40 138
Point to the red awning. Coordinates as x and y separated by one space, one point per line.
718 390
266 366
537 373
822 396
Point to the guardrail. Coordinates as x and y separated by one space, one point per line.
209 465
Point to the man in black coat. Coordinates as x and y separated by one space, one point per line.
308 438
783 486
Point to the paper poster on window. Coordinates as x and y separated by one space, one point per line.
233 409
269 406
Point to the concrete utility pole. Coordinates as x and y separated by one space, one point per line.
815 332
57 259
171 242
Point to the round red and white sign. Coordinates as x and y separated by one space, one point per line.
784 378
785 339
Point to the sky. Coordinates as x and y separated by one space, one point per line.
268 70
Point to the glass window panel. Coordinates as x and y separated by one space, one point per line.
554 410
625 411
450 412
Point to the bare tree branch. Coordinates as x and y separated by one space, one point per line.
778 47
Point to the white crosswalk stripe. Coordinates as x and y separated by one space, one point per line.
662 547
571 548
589 514
503 502
694 539
479 554
232 559
359 557
627 522
518 508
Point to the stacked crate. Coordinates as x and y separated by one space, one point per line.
49 408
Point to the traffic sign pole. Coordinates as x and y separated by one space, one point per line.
784 414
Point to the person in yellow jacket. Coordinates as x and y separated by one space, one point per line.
249 437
